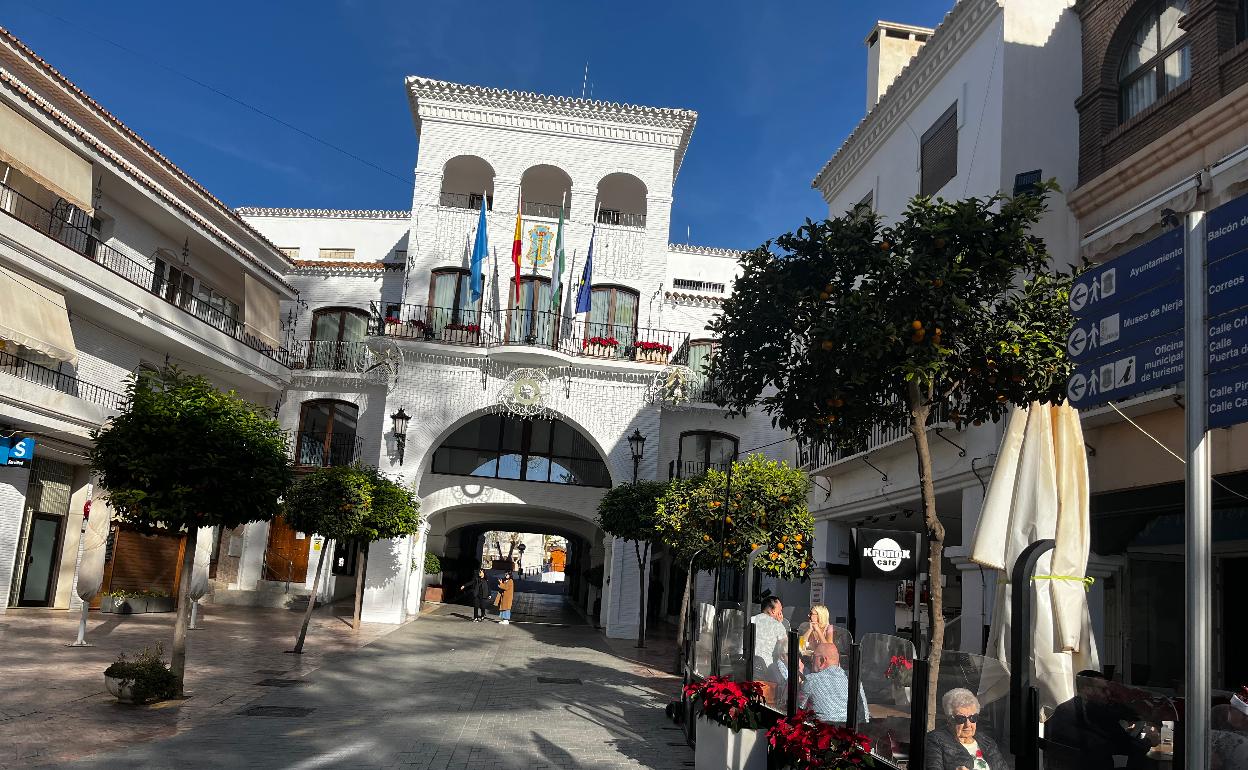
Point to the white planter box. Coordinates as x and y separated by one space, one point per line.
652 356
119 691
719 748
600 351
460 336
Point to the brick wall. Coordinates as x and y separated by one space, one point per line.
1219 64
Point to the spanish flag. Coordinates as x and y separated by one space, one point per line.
515 248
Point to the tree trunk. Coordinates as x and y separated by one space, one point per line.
360 568
641 584
920 407
177 661
307 615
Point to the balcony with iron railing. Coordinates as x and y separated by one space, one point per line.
331 356
453 200
323 449
816 457
689 469
43 376
81 241
543 329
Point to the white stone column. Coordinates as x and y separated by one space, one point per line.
582 201
13 482
427 189
625 599
978 585
506 195
386 580
251 563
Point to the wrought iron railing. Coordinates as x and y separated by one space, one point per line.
330 355
811 457
621 218
61 227
533 328
464 201
689 469
320 449
538 209
54 380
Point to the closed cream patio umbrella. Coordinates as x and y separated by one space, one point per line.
1039 490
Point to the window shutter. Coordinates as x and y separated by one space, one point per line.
939 154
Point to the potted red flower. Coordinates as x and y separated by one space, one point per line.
730 727
463 333
600 347
800 742
653 352
900 672
393 325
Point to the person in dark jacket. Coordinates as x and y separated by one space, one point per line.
479 591
958 746
1086 732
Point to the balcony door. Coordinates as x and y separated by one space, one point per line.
531 321
450 300
704 449
338 339
613 315
326 433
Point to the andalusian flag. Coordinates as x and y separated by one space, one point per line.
516 247
556 275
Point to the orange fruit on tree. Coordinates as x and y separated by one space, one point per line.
916 324
827 344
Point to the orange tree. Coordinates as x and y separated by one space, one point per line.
766 506
848 324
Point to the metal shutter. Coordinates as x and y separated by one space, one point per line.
939 156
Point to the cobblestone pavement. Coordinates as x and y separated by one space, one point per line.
438 694
53 705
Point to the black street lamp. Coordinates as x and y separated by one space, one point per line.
636 444
399 421
520 561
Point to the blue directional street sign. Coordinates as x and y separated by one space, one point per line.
1226 229
1146 366
1228 398
1121 325
1228 341
1135 272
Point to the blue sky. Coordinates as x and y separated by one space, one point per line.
777 87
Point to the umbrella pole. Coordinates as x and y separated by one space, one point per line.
1020 648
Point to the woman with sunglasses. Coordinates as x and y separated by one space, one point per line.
957 746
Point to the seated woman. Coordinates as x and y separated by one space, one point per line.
956 745
815 631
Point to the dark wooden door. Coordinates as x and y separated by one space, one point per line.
286 558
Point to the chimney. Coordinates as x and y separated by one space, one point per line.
890 47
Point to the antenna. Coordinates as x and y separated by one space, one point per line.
585 79
687 236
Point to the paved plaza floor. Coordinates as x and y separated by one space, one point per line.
438 693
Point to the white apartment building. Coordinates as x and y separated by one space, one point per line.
520 409
982 104
111 258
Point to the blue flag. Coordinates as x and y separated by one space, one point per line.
479 249
587 276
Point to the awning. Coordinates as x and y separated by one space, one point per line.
39 156
34 316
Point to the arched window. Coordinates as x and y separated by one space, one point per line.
338 339
1157 59
622 200
327 434
532 320
544 189
701 450
465 179
613 316
504 447
700 354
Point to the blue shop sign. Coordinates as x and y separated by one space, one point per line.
19 453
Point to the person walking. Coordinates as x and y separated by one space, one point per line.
479 590
506 592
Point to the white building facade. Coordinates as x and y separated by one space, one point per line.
521 408
111 259
982 105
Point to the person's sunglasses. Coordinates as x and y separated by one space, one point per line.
961 719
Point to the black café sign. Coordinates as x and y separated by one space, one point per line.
885 554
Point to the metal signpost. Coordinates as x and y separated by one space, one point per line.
1138 328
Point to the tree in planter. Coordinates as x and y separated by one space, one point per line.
952 313
183 455
628 511
766 506
394 512
331 502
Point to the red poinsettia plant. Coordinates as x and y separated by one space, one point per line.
606 342
801 742
392 319
900 670
659 346
735 705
